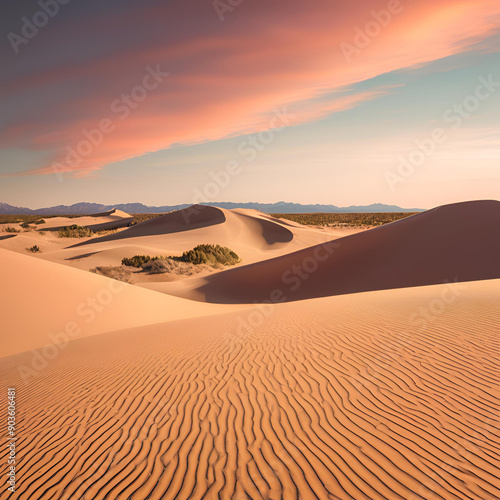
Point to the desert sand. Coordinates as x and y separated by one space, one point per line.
376 377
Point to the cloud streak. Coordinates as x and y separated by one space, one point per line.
225 78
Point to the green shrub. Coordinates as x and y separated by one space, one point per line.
75 231
9 229
212 255
38 222
34 249
25 225
138 260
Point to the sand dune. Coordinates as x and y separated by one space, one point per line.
41 300
200 216
96 222
454 242
251 235
347 397
254 236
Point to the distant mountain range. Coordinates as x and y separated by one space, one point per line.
281 207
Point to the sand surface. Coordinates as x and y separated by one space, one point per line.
252 235
340 397
330 393
459 242
44 303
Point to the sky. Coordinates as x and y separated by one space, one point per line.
334 102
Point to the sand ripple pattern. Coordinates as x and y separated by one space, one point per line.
331 402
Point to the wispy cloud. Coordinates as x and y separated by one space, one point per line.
224 78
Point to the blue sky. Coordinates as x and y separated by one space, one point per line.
342 142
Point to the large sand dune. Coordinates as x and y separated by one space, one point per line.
459 242
343 397
44 303
128 393
252 235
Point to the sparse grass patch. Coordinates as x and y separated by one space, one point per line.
171 266
114 272
345 219
34 249
104 232
75 231
10 229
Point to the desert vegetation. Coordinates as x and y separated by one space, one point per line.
10 229
211 255
27 227
114 272
32 219
175 267
201 257
345 219
142 217
139 260
34 249
76 231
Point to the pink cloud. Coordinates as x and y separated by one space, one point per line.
226 78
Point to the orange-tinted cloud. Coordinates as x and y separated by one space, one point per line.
227 78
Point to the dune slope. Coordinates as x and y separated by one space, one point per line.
43 303
345 397
459 242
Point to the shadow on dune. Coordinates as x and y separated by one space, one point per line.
187 219
459 242
271 232
82 256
